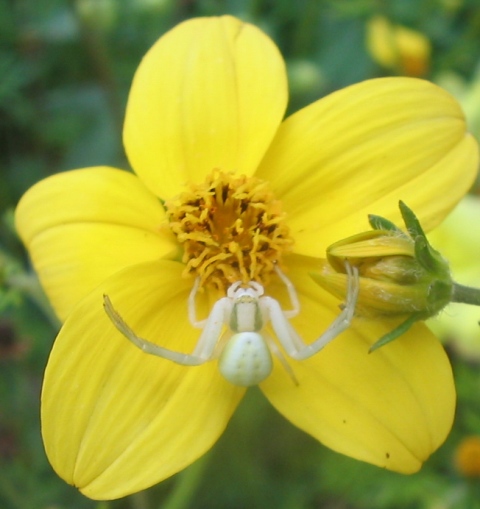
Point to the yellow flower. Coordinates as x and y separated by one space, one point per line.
399 48
226 191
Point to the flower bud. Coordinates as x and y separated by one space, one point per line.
393 282
400 274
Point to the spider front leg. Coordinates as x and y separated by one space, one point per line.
293 343
290 313
204 349
192 313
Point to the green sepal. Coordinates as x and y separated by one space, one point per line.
428 257
380 223
397 332
411 222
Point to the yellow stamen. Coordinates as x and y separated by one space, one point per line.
231 229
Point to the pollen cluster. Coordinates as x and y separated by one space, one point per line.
231 229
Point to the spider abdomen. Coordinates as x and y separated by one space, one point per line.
246 359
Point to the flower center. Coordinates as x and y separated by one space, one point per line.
231 229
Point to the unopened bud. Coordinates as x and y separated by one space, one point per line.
401 275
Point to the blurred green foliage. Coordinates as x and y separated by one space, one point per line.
65 70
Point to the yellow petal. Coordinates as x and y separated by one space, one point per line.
116 420
374 243
84 225
392 408
209 94
362 149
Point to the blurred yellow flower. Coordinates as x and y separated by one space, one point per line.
467 456
467 93
457 240
226 191
398 48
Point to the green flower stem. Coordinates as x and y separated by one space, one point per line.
186 485
102 505
140 500
29 285
466 294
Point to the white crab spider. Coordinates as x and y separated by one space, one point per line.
244 355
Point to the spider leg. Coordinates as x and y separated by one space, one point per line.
287 335
192 314
202 352
279 355
290 313
293 343
212 330
343 320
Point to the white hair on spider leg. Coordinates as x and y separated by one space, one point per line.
245 358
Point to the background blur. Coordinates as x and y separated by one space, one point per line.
65 71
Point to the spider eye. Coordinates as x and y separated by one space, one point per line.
232 290
257 287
